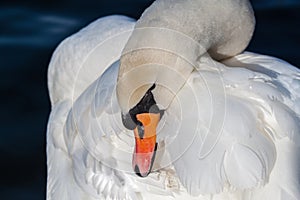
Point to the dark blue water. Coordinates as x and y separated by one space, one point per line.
29 32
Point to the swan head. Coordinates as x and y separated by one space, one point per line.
148 81
143 120
162 52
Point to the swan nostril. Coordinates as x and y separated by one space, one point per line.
141 130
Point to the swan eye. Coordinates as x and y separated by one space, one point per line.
128 122
146 105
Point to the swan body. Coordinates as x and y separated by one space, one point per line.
231 130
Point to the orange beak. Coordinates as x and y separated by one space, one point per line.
145 143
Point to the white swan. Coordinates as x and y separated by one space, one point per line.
226 129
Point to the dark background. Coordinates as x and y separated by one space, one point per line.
29 33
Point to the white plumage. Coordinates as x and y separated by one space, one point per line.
231 132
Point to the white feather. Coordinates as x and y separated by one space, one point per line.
232 131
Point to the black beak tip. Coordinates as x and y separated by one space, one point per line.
137 172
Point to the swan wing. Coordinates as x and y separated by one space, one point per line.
74 68
81 58
85 133
97 143
228 121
